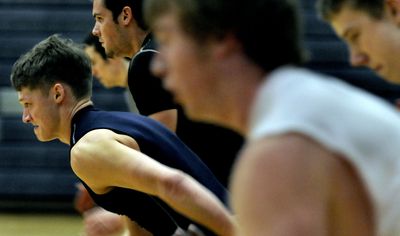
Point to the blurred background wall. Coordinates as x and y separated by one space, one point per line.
36 176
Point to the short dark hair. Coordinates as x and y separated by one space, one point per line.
328 8
116 6
92 40
269 30
53 60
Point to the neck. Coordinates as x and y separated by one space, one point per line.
124 70
79 105
119 68
238 108
238 94
137 40
68 118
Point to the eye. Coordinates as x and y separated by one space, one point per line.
354 37
98 19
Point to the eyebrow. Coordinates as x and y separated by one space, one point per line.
349 29
20 98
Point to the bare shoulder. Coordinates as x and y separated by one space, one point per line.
98 135
101 137
101 157
290 152
97 145
295 181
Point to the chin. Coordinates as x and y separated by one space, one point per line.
392 79
190 113
395 80
199 115
41 139
44 139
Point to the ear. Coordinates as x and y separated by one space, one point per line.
393 7
58 92
227 45
125 17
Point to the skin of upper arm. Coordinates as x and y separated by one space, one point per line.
169 118
104 159
95 157
280 186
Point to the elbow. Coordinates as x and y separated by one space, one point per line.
173 186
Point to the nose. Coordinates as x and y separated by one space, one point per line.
26 117
358 58
158 66
95 30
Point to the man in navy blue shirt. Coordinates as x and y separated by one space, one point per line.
124 160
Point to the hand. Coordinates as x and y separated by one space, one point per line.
99 222
83 201
191 231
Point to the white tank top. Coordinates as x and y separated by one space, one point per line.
346 120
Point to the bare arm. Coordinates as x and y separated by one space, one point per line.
99 222
281 187
129 168
169 118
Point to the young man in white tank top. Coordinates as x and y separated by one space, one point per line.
321 158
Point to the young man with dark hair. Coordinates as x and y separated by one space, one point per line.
370 30
321 156
111 72
130 164
122 33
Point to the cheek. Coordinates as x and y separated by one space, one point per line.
182 61
380 48
105 31
183 65
192 85
379 43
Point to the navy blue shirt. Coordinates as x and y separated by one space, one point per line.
215 145
160 144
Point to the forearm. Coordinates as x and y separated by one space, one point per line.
195 201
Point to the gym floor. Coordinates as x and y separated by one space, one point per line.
32 224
